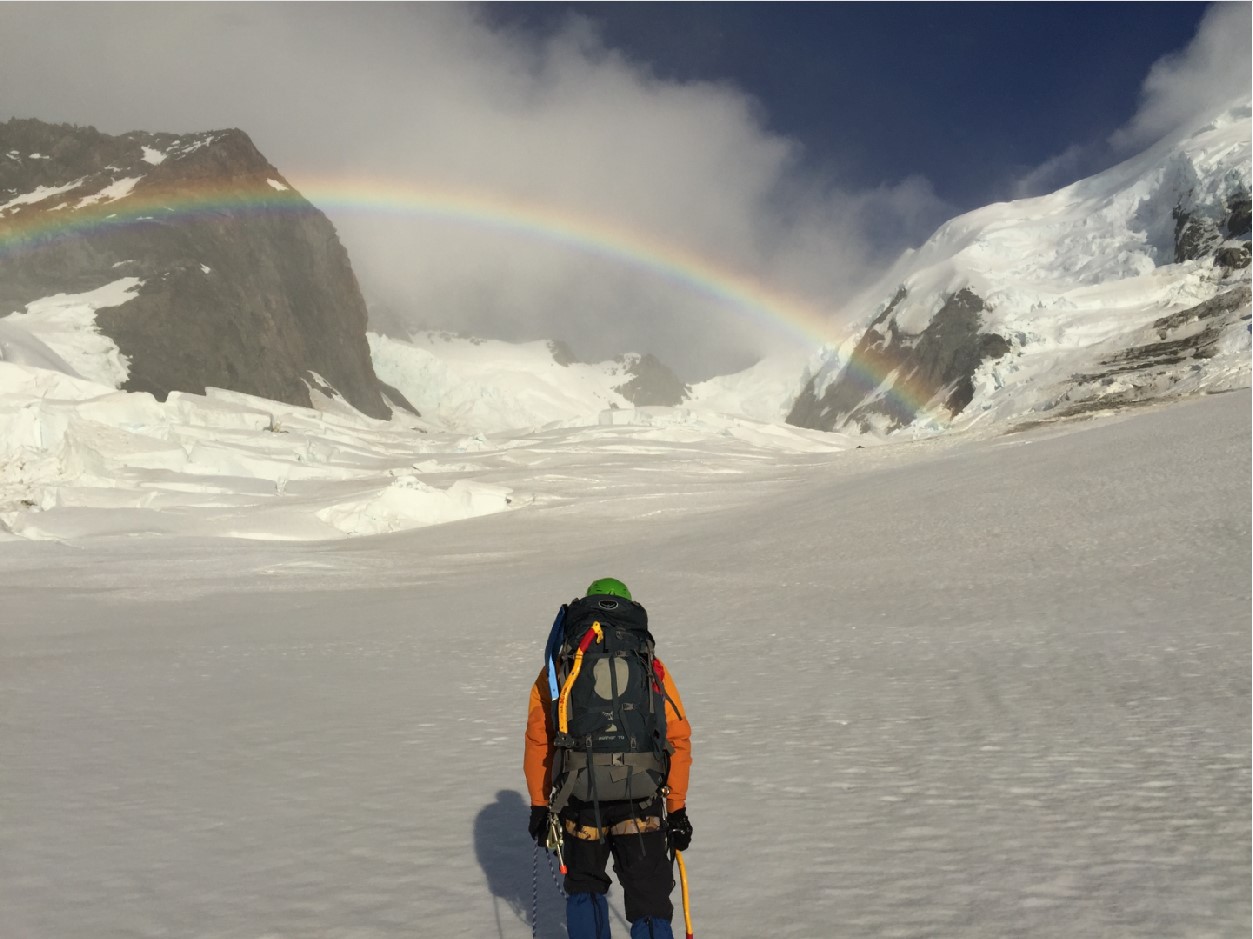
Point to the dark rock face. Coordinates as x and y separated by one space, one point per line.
246 285
1238 222
652 384
1195 236
939 361
1199 235
395 398
563 355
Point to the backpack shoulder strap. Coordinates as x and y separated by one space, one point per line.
550 651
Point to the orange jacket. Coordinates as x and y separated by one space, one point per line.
538 760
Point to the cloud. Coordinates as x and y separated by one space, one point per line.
1212 70
539 186
1055 172
1185 86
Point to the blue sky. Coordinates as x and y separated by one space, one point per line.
973 96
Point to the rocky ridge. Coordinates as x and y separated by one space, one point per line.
240 283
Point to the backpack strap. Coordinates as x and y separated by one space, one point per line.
550 651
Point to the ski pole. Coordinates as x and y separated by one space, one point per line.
687 906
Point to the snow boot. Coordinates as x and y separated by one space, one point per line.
651 928
587 916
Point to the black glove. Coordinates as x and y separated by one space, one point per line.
679 830
538 825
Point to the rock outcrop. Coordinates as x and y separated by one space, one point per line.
652 383
937 364
244 284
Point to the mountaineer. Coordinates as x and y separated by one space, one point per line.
608 755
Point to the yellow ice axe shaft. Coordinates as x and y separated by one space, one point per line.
563 700
687 906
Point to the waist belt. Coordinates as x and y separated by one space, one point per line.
630 826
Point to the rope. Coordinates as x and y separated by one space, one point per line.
556 883
535 892
552 871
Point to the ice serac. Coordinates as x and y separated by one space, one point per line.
1126 287
245 284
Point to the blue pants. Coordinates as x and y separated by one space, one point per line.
587 917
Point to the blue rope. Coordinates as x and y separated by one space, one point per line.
535 887
535 892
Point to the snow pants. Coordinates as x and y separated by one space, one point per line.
634 837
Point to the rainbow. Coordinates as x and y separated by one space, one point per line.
26 229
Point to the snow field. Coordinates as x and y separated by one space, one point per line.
80 459
959 687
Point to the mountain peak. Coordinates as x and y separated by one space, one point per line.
227 294
1032 291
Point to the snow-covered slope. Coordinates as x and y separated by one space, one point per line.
81 459
1002 307
488 386
763 392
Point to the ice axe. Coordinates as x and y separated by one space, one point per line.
687 906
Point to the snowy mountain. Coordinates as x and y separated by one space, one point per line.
472 385
1127 286
80 459
486 385
160 263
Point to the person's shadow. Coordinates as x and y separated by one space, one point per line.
521 878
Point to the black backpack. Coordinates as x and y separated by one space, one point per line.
609 705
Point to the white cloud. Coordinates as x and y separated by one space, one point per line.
1211 70
379 100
